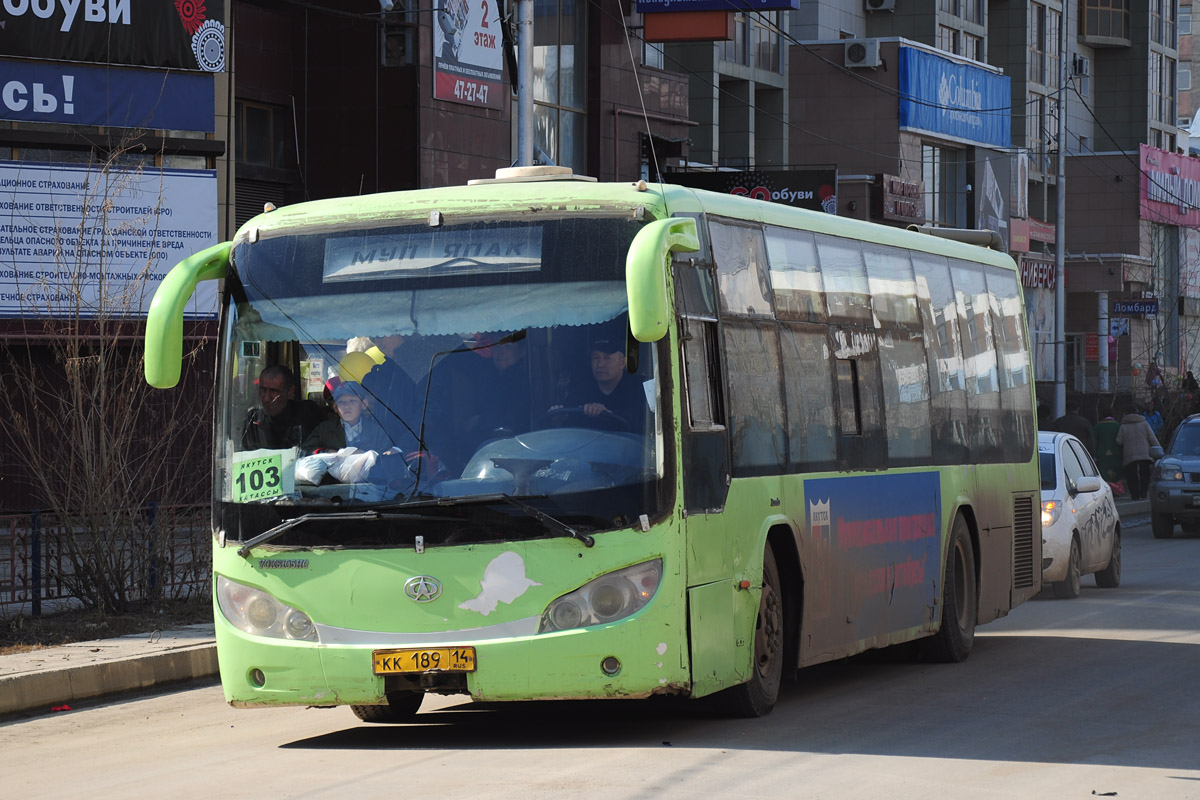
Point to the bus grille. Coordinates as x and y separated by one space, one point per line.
1023 574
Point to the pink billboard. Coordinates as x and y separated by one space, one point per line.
1170 188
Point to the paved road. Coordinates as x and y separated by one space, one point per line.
1064 699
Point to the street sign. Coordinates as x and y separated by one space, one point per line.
1147 306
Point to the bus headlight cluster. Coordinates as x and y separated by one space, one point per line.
257 612
606 599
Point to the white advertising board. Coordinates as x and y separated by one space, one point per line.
68 233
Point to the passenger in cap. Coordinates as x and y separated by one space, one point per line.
355 427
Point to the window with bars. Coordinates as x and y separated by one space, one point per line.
944 171
559 75
947 39
755 43
1163 74
1107 19
1037 36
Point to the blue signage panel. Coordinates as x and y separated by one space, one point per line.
657 6
878 540
946 98
1135 308
120 98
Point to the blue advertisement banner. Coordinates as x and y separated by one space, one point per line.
120 98
946 98
879 537
658 6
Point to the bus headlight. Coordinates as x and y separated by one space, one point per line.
606 599
257 612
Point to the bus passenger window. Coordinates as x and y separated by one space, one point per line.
847 383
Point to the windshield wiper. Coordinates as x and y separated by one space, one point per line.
285 526
550 522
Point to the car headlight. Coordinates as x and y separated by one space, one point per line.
257 612
1050 511
606 599
1170 472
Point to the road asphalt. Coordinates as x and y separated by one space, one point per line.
50 679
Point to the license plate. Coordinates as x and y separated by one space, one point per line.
424 659
1196 499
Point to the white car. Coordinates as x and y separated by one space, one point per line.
1081 532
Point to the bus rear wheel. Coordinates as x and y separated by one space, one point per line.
756 697
401 707
952 643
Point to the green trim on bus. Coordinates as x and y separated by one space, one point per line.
646 273
164 322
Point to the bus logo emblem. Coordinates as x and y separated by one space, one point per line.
423 589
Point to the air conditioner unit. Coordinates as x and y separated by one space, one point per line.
879 5
1081 66
862 53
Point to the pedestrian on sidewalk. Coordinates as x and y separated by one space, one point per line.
1078 426
1136 438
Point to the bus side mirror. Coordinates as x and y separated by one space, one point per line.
164 321
646 273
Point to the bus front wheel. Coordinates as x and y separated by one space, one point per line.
952 642
756 697
401 707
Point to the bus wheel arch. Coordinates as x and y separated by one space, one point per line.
782 541
758 694
960 595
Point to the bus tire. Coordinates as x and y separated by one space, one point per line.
756 697
952 643
401 707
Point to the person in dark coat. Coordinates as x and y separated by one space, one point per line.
1136 440
1078 426
281 420
614 391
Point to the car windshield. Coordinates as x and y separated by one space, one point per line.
1049 472
1187 441
383 367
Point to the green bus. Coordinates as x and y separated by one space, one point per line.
601 441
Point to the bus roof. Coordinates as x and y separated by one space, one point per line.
658 199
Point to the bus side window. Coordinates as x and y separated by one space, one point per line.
847 382
812 426
705 455
756 411
705 458
943 348
862 440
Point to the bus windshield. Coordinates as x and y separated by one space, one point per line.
437 371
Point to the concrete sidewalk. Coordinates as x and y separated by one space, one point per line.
42 680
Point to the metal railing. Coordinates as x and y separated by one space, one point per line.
34 569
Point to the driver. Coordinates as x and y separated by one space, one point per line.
615 391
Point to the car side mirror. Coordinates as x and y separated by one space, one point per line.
1087 484
1156 452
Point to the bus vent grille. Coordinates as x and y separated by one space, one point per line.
1023 574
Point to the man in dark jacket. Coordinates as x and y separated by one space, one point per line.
282 421
1078 426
